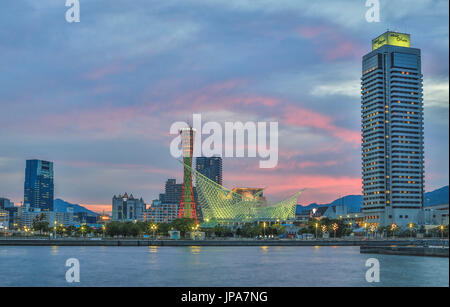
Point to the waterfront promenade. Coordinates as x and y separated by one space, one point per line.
432 251
215 242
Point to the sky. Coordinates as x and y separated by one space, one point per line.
98 97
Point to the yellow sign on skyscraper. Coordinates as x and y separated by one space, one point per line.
392 38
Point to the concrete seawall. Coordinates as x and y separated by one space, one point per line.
126 242
405 250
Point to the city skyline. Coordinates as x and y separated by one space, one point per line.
86 108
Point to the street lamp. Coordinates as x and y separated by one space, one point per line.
372 229
335 227
154 227
442 231
393 228
410 230
54 229
317 225
264 229
324 229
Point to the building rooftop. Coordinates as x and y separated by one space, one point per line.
392 38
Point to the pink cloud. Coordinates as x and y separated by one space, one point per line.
310 32
344 49
318 188
222 96
301 117
108 70
99 208
324 37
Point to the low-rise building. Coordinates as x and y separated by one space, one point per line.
60 218
159 212
13 219
4 220
436 215
26 215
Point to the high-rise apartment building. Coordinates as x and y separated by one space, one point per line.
39 188
392 131
210 167
172 193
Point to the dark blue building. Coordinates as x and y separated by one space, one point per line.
210 167
39 188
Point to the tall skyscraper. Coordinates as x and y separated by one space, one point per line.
39 188
210 167
392 131
187 203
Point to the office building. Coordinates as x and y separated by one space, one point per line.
392 131
5 203
38 190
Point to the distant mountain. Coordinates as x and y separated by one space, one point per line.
437 197
354 202
61 206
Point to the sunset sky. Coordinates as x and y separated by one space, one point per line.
98 97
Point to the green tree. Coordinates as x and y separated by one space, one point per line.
183 225
163 228
40 224
113 229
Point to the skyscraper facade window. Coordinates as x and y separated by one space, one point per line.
392 131
39 187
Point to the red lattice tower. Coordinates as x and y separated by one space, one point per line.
187 203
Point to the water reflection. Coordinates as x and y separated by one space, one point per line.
153 249
176 266
264 249
195 250
54 250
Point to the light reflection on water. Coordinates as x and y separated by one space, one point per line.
153 249
214 266
264 249
195 250
54 250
